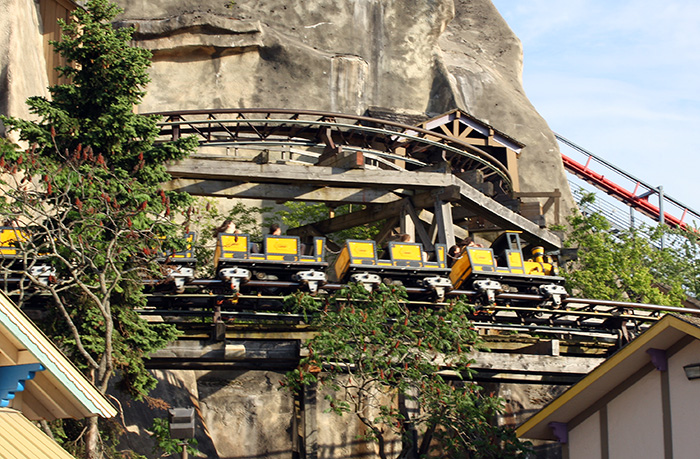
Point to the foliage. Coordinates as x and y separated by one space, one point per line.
301 213
68 434
7 148
376 356
165 445
622 265
87 197
681 260
247 218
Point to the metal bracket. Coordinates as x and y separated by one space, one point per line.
488 288
312 279
235 277
440 285
43 273
367 280
554 292
180 275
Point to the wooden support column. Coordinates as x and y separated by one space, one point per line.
406 224
428 218
433 231
376 212
443 216
420 232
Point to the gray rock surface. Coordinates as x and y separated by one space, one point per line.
484 59
237 413
22 64
421 57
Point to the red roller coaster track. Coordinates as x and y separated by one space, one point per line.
637 197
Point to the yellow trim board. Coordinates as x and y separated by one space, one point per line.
22 439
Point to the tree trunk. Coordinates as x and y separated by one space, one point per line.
92 436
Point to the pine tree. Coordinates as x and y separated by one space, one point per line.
87 196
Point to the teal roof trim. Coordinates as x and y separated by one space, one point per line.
53 360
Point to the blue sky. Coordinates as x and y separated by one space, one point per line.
619 78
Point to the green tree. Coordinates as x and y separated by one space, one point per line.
623 265
403 372
87 197
680 260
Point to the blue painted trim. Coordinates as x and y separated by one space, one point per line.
66 374
13 378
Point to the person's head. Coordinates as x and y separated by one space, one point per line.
275 229
228 226
405 237
469 242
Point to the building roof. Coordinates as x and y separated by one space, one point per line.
57 390
663 335
478 125
22 439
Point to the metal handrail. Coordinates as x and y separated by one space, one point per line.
630 197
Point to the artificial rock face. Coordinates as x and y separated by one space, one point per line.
22 63
418 57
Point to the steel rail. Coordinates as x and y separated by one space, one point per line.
419 136
509 310
631 198
625 305
487 160
530 297
292 317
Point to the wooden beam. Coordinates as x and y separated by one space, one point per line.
386 230
424 184
9 354
443 216
406 224
375 213
464 135
476 141
429 218
227 169
554 199
445 130
49 400
503 217
280 192
422 234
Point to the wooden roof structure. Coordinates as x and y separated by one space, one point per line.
462 126
669 335
20 438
